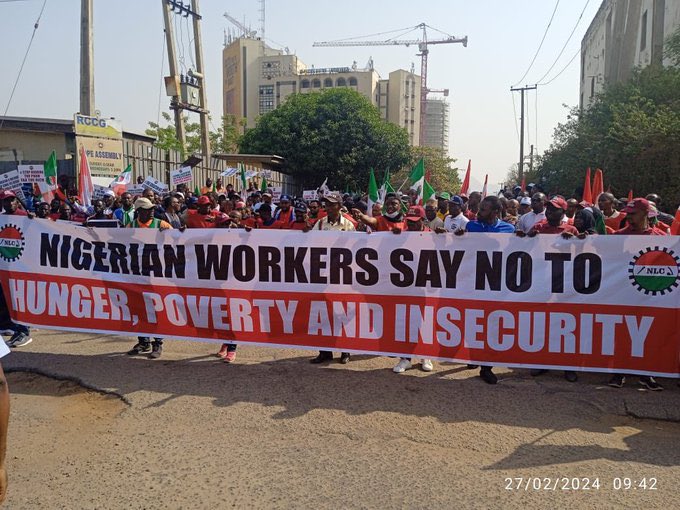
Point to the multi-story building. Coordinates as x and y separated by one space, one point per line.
437 124
258 79
623 35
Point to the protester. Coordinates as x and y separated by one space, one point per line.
172 208
612 217
208 186
572 207
584 221
473 201
333 222
663 217
42 211
415 222
537 213
266 220
126 213
284 212
524 206
443 204
301 219
432 219
511 211
456 220
390 221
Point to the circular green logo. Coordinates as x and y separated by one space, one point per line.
11 243
655 271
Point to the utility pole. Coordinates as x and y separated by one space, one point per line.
86 59
531 159
199 73
520 169
172 81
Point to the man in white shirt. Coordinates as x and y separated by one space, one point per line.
456 220
536 214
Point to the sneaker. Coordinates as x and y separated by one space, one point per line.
472 367
230 356
223 351
156 350
426 365
617 381
649 383
139 348
19 340
535 372
403 365
570 376
344 358
322 357
488 376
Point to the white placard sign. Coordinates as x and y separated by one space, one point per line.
309 194
100 191
156 185
276 193
11 181
31 173
135 190
181 175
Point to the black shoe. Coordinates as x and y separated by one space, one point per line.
570 376
344 358
139 348
649 383
535 372
156 350
617 381
488 376
322 357
472 367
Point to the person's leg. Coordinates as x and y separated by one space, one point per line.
143 345
21 336
156 348
487 375
344 358
231 353
402 366
322 357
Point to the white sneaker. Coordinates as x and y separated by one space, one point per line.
403 365
426 365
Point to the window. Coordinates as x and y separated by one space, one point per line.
266 98
592 86
316 83
341 82
643 32
353 82
304 84
328 82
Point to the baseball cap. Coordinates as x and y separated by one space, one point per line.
284 198
203 200
559 203
455 199
240 205
444 195
415 213
8 193
525 201
109 193
143 203
300 206
637 204
335 198
267 194
653 211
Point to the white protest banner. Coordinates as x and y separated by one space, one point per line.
156 185
100 191
31 173
309 194
11 181
251 173
230 172
276 193
603 304
181 175
137 190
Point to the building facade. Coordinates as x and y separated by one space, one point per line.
624 34
437 124
257 79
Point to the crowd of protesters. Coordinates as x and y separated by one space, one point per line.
524 213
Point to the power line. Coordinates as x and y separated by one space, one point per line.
566 42
16 82
536 119
514 111
563 69
540 45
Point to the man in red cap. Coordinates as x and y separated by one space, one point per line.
553 223
204 216
10 203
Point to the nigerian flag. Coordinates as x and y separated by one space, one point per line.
50 184
244 184
373 196
263 184
417 179
428 192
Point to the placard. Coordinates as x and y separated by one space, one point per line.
309 194
11 181
181 175
31 173
156 185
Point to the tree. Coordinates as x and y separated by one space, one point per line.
225 139
439 167
336 134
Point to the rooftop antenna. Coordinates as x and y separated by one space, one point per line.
262 10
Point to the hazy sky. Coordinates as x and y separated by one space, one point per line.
129 50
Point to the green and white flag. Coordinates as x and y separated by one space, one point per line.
428 192
373 196
417 179
263 184
244 183
50 184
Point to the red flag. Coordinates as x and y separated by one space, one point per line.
523 186
466 182
85 186
630 196
598 185
486 180
587 193
675 226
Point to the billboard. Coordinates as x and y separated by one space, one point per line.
97 126
104 156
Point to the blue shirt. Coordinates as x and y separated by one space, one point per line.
498 227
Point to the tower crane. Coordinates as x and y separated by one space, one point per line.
423 44
247 32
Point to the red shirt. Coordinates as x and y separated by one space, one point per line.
651 231
384 225
276 225
615 223
249 222
543 227
284 217
297 225
470 215
197 220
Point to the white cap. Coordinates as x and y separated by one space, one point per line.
525 201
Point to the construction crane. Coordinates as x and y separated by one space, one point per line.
247 32
423 44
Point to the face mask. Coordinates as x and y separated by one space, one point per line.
393 214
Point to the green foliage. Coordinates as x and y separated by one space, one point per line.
336 134
631 131
672 48
443 174
225 139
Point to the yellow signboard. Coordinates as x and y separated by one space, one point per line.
104 156
97 126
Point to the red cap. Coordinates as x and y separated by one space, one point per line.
203 200
7 193
415 213
637 204
558 202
